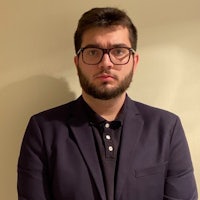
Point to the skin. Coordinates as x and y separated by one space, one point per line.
106 76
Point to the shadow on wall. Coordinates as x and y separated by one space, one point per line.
17 103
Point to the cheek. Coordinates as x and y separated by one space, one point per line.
128 70
86 72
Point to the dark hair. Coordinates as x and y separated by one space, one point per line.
104 17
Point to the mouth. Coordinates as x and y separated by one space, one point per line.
105 77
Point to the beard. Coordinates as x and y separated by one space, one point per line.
102 92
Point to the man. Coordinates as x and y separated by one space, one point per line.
105 146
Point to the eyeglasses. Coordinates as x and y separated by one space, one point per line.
117 55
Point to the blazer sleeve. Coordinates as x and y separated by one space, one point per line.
180 181
32 180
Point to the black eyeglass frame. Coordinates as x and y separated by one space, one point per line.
131 51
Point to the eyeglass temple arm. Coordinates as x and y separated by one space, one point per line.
133 50
79 51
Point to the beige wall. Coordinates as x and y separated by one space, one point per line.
37 71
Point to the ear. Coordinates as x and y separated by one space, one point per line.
135 62
76 60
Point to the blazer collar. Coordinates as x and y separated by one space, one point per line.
83 134
132 128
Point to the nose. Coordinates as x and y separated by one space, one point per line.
105 61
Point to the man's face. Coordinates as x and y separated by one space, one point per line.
105 80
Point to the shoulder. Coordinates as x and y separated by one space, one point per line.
151 113
158 120
149 110
60 113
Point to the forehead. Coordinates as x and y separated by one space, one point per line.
106 36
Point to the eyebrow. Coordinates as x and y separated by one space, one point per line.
120 45
111 46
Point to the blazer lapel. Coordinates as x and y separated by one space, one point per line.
85 140
132 129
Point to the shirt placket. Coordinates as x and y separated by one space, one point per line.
108 141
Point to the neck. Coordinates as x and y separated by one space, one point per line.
108 109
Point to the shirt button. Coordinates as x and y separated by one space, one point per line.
107 125
108 137
110 148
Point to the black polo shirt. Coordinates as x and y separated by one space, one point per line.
107 136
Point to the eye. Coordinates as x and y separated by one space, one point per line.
92 52
119 51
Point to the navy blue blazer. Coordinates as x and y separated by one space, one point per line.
58 159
